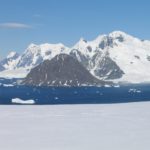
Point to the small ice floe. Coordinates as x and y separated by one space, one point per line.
75 92
117 86
134 91
8 85
53 89
56 98
97 92
20 101
28 93
34 89
107 85
138 91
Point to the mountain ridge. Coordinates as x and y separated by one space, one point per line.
117 56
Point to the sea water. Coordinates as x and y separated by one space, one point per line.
75 95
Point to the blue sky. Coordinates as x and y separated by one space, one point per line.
38 21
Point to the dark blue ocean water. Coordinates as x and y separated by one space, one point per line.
76 95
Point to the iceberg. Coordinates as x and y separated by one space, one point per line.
20 101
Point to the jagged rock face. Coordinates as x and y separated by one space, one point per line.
106 42
80 57
100 65
62 70
106 68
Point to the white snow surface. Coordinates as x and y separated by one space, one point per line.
76 127
17 73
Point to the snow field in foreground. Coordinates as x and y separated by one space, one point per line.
75 127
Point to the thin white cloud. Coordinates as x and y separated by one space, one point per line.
13 25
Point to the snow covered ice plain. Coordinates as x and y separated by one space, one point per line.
75 127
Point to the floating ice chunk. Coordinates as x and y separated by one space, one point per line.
75 92
20 101
56 98
8 85
117 86
134 91
107 85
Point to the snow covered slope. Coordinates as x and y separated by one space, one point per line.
133 56
117 56
10 61
15 73
76 127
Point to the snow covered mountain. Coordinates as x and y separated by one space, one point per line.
94 55
117 56
15 66
35 54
